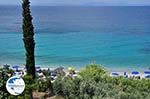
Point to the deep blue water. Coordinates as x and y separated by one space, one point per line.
116 37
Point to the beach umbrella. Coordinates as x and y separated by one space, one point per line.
147 72
116 74
148 76
15 67
38 68
135 73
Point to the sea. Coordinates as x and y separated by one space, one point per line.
115 37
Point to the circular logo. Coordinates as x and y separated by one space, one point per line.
15 85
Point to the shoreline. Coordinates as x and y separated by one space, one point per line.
114 73
78 68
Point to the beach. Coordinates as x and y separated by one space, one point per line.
140 74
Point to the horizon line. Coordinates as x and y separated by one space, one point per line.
80 5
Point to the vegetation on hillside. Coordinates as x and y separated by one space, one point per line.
3 78
94 83
91 83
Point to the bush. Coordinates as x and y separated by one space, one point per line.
94 83
93 72
4 76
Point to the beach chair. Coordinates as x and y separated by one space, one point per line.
114 74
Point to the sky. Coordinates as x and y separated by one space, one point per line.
81 2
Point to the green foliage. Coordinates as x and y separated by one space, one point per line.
44 85
58 86
28 38
95 84
93 72
30 86
4 75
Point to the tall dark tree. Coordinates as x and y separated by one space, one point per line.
28 38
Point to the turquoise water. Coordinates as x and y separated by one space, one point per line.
117 38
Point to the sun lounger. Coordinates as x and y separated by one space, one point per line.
114 74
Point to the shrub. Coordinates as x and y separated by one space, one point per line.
94 83
93 72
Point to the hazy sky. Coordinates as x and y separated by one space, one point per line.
78 2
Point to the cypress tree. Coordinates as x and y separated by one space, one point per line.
28 38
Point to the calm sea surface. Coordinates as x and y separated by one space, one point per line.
116 37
